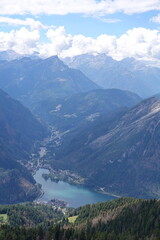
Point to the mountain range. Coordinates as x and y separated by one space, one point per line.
10 55
40 83
127 74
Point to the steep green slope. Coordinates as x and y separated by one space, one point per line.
120 153
30 214
19 130
120 219
103 211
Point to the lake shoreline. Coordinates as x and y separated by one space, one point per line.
99 190
74 194
76 183
108 193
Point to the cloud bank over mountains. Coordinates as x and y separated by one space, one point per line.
137 42
140 43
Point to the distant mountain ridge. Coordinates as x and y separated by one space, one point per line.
127 74
10 55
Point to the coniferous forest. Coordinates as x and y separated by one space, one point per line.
121 219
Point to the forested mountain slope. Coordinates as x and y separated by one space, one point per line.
120 153
19 130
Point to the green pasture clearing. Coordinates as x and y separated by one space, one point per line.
3 218
72 219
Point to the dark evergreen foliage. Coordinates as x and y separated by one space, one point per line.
137 220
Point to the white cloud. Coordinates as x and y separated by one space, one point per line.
110 20
156 19
139 43
33 24
59 41
21 41
133 6
91 7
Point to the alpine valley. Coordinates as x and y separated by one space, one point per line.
105 136
106 139
79 119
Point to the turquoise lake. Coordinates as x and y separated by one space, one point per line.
74 195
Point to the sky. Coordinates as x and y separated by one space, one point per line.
118 28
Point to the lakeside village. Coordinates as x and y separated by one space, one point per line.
40 158
56 204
